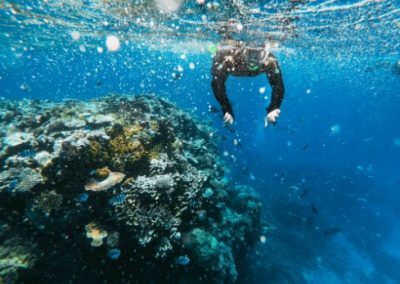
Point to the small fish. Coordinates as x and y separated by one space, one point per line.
332 231
309 221
213 109
305 147
396 68
117 199
25 87
176 75
82 197
304 193
182 260
98 83
12 185
314 209
114 253
28 153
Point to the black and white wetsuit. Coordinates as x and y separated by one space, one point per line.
237 59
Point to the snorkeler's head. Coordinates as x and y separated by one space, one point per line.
231 29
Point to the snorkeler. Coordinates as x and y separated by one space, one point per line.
238 59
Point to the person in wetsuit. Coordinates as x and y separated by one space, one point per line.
238 59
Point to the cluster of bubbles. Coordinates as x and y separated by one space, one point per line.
112 42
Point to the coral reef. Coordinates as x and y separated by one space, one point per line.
120 183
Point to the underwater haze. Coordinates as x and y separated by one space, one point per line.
116 165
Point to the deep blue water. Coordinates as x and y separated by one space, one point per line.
337 140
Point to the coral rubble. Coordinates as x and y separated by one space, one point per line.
119 188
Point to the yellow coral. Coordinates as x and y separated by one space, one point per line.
123 145
96 233
98 152
134 129
154 153
95 148
154 125
123 148
103 172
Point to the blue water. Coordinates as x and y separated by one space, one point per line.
337 141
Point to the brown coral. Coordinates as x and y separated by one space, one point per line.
124 145
103 172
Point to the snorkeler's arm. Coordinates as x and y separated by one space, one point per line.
220 75
274 75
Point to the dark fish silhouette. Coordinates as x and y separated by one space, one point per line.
314 209
176 76
332 231
305 147
310 221
304 193
396 68
25 87
214 109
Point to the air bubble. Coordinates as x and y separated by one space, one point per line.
75 35
112 43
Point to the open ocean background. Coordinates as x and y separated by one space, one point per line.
331 164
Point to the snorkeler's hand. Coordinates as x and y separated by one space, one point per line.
228 118
272 117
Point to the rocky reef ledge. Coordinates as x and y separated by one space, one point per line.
120 189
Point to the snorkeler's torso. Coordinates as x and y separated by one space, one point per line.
242 60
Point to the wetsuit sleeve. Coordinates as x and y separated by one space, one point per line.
274 76
219 77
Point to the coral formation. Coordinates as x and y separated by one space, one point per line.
96 234
121 183
16 255
112 179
